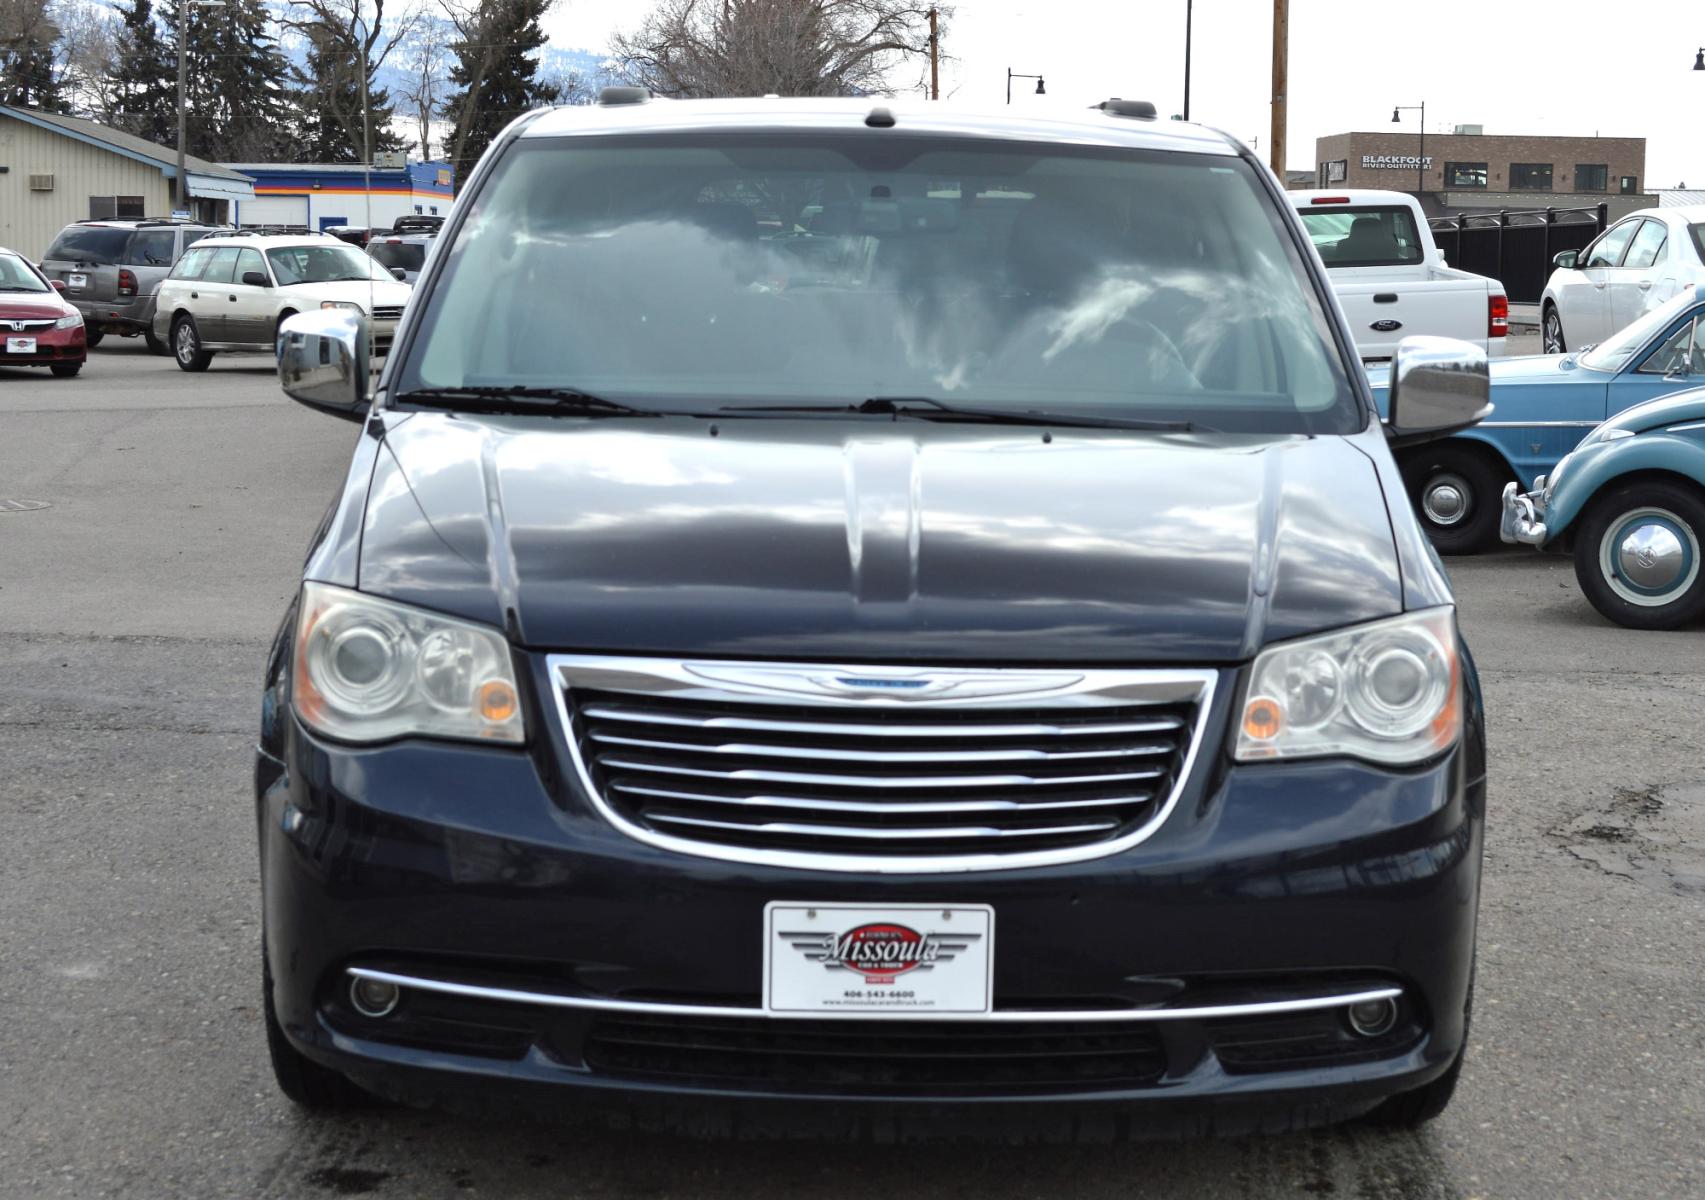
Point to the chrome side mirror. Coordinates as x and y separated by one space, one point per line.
1439 386
323 361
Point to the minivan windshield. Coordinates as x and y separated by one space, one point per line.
763 271
407 255
17 276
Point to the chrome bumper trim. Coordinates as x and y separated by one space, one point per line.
1087 1016
1521 523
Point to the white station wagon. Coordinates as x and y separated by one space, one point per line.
231 292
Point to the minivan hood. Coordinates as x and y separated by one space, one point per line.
877 540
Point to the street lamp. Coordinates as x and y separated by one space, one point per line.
1011 75
1421 155
183 39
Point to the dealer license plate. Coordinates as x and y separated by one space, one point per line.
20 345
898 960
77 281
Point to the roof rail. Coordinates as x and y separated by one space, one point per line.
1142 110
616 95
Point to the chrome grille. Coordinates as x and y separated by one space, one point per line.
856 767
393 312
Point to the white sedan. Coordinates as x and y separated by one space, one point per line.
1631 268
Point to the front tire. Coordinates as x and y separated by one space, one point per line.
1638 552
299 1077
1551 326
92 337
1456 494
186 346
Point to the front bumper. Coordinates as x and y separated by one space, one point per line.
549 955
1523 519
52 346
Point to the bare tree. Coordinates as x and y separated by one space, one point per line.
790 47
87 57
424 60
349 40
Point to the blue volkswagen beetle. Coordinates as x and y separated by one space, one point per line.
1543 404
1629 504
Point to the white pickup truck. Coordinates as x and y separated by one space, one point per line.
1390 276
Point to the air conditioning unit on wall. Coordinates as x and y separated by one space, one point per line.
41 183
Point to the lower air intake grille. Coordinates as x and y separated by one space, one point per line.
807 760
388 312
887 1056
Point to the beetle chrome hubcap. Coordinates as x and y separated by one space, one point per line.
1445 499
1649 556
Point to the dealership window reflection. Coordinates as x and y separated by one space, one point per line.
1530 177
1591 177
1465 175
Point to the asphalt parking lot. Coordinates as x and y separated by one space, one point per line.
151 529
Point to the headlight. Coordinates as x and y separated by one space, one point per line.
69 321
370 669
351 305
1387 691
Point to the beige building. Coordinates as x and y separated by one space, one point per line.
56 169
1473 170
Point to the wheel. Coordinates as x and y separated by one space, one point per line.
65 370
92 337
1457 494
1637 554
299 1077
155 345
1411 1110
1553 331
186 346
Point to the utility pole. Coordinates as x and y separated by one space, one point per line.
1281 36
1189 6
934 58
182 189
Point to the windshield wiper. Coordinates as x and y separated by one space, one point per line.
520 398
924 408
12 287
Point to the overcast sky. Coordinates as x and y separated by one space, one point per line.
1544 68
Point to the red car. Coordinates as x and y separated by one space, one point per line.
37 327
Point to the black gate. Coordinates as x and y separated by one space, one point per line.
1515 248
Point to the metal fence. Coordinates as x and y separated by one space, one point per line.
1516 247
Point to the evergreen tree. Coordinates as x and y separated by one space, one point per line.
27 78
239 99
331 128
146 78
496 75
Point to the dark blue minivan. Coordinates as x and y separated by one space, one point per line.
841 607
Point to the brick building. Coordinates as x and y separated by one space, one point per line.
1469 169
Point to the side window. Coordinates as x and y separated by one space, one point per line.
1676 354
1647 249
222 266
151 249
249 260
1607 251
192 236
191 264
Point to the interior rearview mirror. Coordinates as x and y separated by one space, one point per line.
256 279
1566 259
1439 386
323 361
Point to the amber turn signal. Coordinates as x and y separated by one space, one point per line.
1262 718
497 700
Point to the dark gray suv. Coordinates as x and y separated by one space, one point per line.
111 269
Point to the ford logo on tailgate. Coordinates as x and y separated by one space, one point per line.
1386 326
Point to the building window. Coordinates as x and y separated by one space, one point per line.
1630 185
106 208
1465 175
1337 170
1530 177
1590 177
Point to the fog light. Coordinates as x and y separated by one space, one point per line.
374 997
1371 1018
